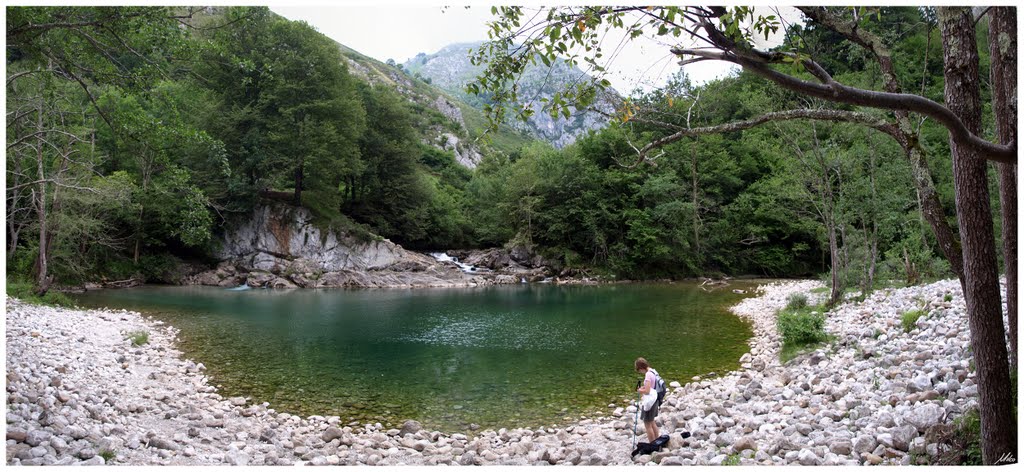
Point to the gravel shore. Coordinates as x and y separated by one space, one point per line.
79 392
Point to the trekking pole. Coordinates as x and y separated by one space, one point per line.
637 418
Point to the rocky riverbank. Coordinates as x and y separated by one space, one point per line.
79 391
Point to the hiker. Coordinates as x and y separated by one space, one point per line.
650 377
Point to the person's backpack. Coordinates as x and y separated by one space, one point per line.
659 385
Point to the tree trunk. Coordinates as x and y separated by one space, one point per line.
981 282
1002 43
13 224
833 249
934 214
696 208
928 197
909 139
55 201
42 276
872 267
138 235
12 243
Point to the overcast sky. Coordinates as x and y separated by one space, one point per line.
390 29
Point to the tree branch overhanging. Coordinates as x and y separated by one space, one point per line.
797 114
758 63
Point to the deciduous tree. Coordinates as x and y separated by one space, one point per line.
723 35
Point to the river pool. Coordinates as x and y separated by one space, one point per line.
497 356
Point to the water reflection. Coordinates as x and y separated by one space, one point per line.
493 356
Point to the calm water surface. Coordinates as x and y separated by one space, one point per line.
502 356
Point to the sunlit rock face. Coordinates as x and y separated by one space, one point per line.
275 236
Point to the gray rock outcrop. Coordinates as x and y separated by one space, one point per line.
280 246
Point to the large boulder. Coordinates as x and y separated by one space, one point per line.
410 427
902 436
924 416
808 457
331 433
744 443
919 384
864 444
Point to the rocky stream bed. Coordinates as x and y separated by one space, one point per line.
80 392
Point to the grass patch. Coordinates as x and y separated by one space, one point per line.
909 319
796 301
801 327
733 459
947 298
107 455
138 337
26 291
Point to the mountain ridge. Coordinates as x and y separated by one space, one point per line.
446 122
450 70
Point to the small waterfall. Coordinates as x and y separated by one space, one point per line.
244 286
469 269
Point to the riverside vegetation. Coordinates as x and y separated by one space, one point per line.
150 159
81 393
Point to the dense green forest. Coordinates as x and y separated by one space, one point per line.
135 133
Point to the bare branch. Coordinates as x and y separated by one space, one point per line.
14 33
56 182
20 74
805 114
41 133
837 92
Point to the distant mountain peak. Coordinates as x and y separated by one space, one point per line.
450 69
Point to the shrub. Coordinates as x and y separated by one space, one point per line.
159 267
910 318
947 298
796 301
801 328
20 266
118 268
963 441
26 291
138 337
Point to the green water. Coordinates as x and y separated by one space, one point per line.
503 356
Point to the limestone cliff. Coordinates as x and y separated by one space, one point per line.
276 236
450 69
279 245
